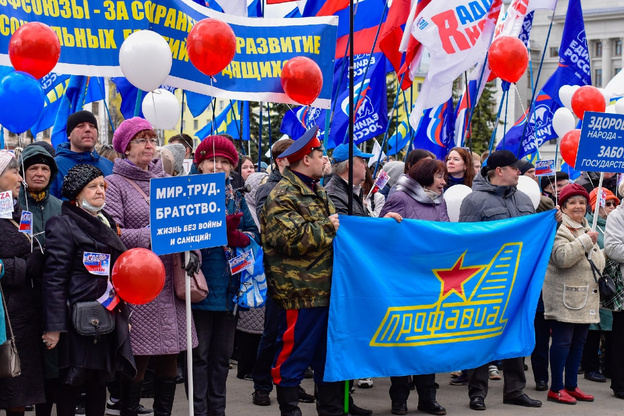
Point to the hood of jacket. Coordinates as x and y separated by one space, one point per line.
64 150
33 151
416 191
481 183
128 169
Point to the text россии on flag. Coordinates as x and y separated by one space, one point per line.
463 296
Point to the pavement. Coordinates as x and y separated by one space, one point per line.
453 398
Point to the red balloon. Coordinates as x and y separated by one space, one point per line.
34 48
211 46
569 146
302 80
138 276
588 98
508 58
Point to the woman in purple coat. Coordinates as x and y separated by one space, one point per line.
418 196
158 331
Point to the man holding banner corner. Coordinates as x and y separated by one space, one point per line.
299 224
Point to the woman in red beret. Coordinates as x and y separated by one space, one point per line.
215 317
571 298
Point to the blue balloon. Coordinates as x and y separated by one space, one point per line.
21 101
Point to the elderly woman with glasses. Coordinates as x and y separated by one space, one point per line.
158 328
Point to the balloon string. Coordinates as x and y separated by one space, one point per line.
156 122
515 87
21 159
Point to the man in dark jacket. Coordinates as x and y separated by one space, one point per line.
338 186
494 197
82 132
590 180
299 223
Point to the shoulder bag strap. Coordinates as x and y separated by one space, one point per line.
134 184
18 229
595 270
6 313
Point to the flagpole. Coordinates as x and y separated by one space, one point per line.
182 113
596 207
351 122
539 72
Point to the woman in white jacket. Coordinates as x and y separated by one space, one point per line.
614 249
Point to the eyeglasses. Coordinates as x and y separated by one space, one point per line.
610 204
153 141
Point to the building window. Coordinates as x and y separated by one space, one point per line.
554 52
598 77
195 124
220 105
597 49
617 47
419 86
616 71
183 126
184 107
95 109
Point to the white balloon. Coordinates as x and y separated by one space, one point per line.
145 59
454 197
565 95
529 187
162 109
607 96
563 121
619 106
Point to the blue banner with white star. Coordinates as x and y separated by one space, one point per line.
425 297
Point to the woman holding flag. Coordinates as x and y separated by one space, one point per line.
82 246
418 196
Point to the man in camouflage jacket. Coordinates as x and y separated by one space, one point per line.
298 226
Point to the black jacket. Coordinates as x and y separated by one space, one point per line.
338 191
23 299
67 281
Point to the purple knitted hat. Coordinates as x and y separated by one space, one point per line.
126 132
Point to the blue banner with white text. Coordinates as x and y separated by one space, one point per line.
187 213
91 33
460 297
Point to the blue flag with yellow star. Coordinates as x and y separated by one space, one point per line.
425 297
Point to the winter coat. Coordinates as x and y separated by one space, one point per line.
297 237
251 321
590 180
222 285
66 159
265 189
46 207
23 301
158 327
338 191
570 292
254 181
411 201
489 202
66 281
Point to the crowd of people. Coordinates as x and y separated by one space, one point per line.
76 339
